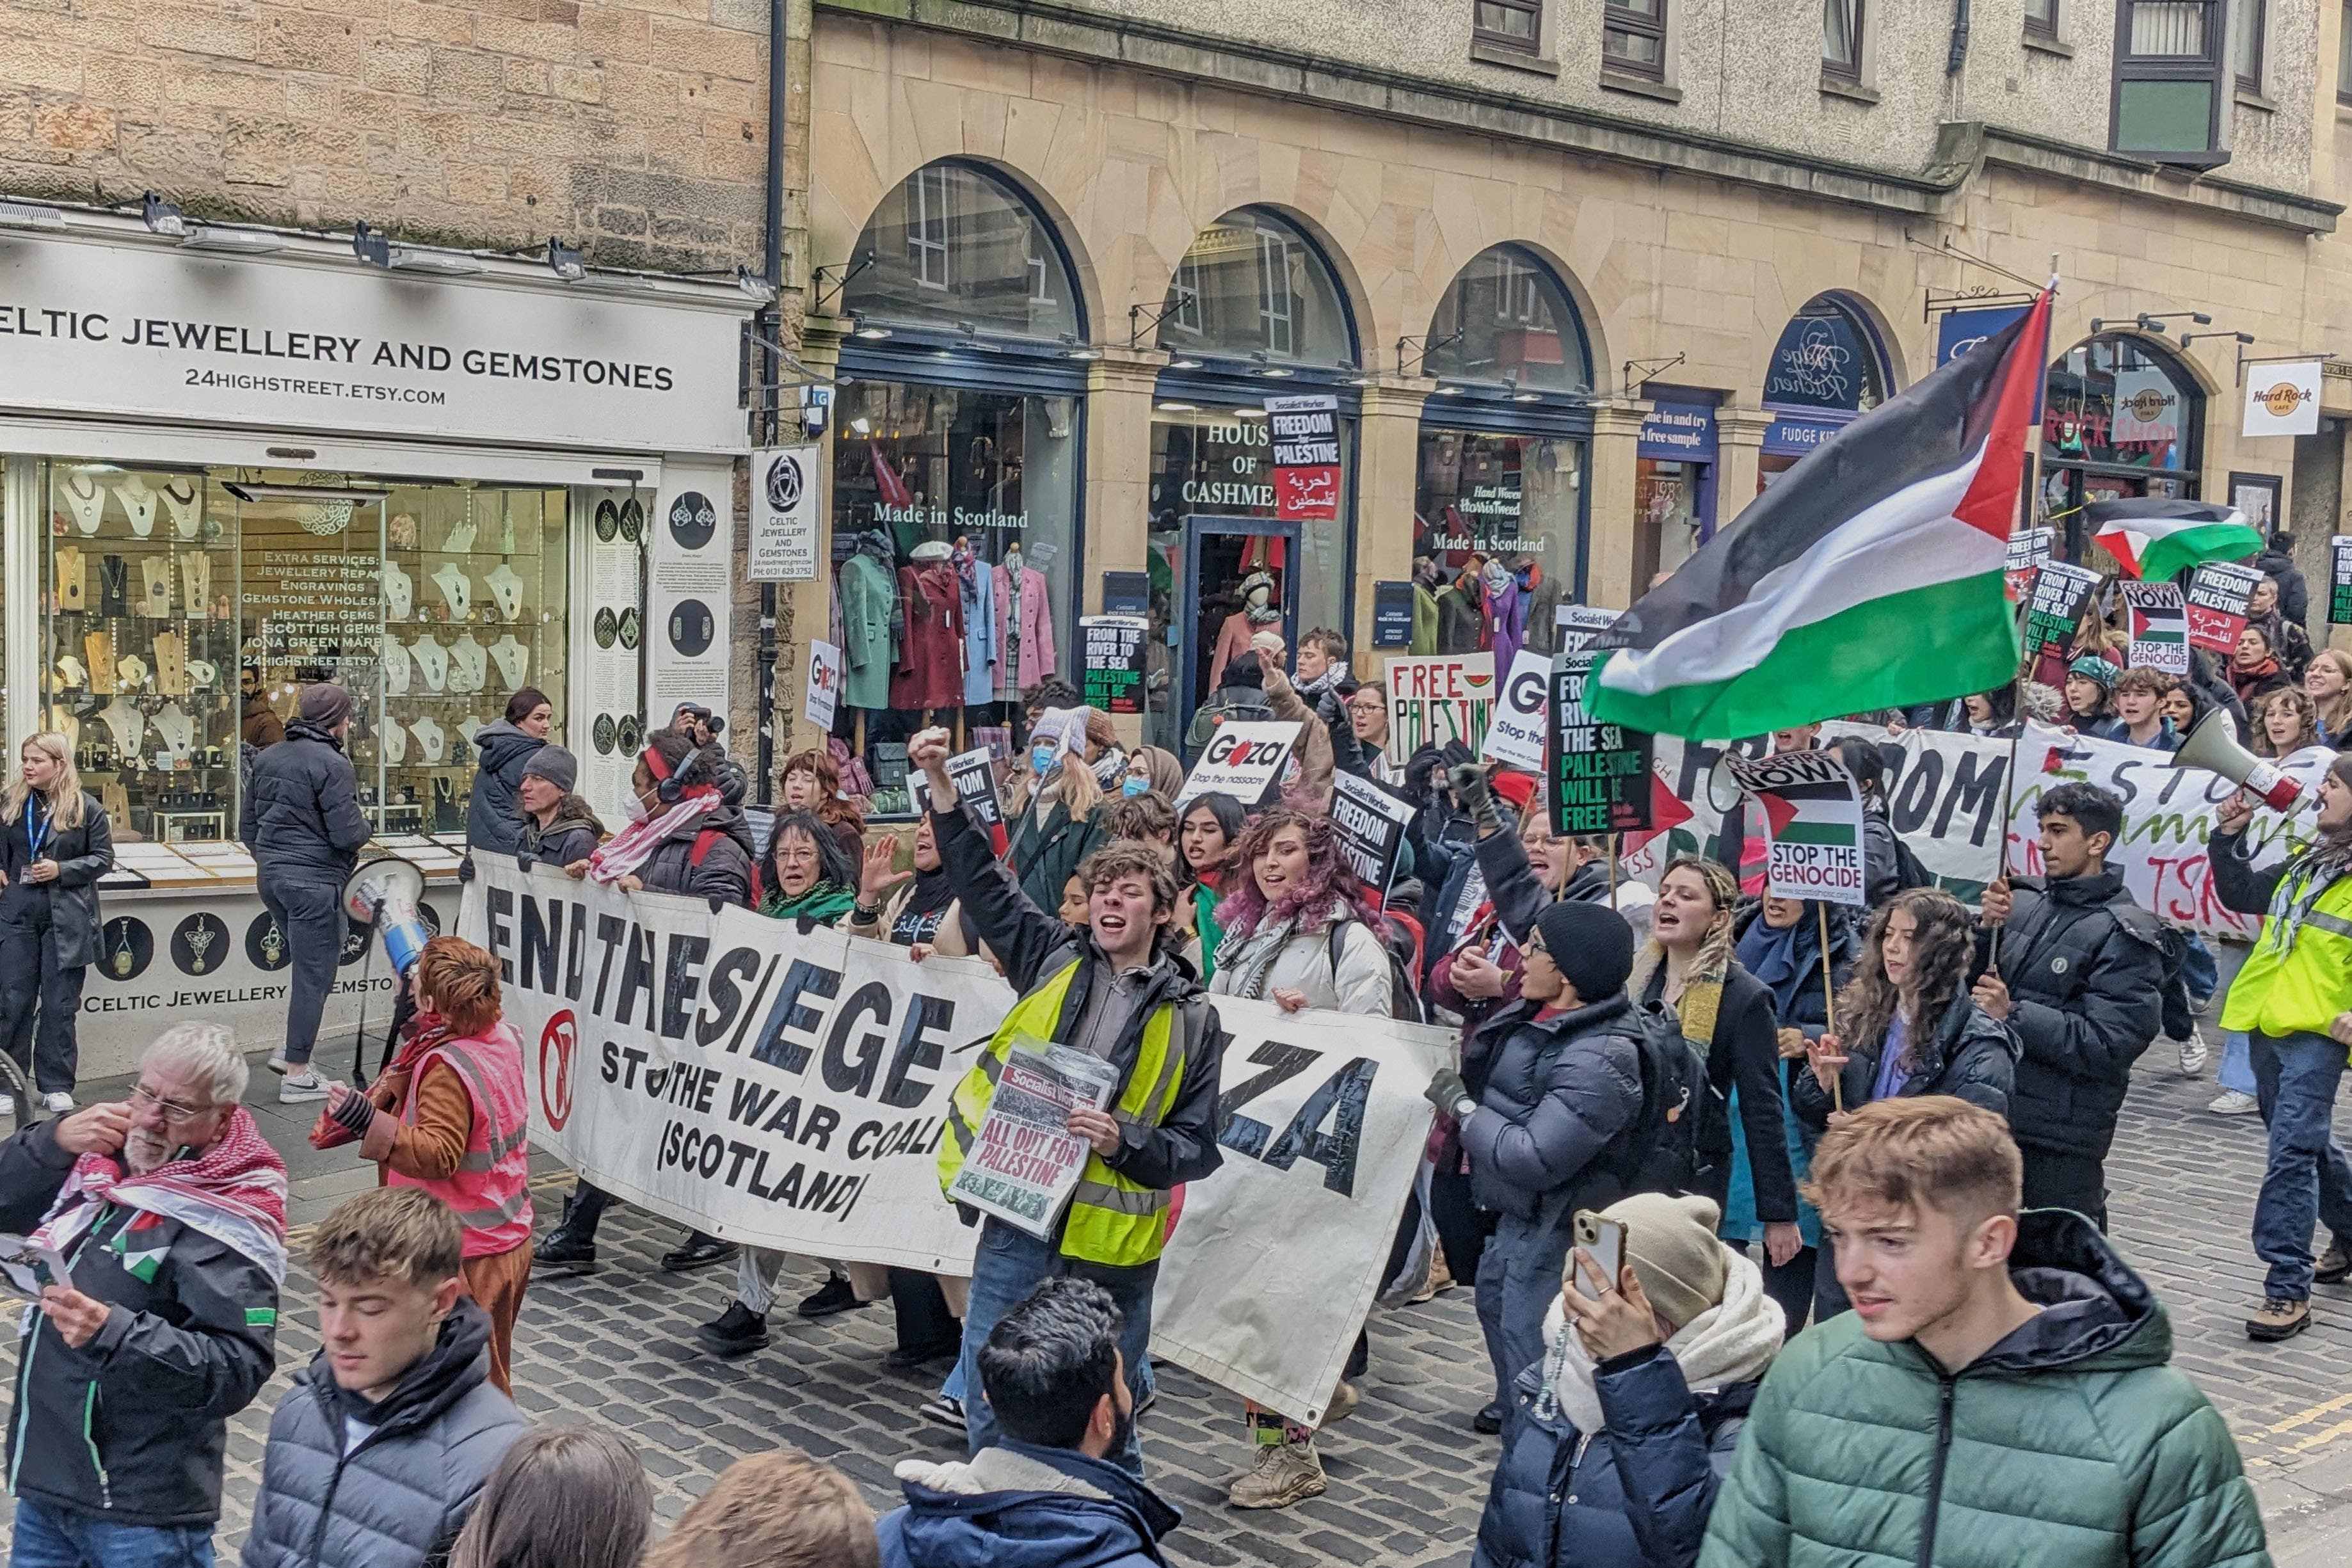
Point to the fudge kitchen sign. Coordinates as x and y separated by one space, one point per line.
336 345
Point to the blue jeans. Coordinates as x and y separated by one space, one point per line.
2237 1069
2200 970
1008 1267
49 1537
2308 1178
1518 1279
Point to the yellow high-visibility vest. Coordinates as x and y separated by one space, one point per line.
2297 990
1111 1220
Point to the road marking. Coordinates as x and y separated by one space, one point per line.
2314 1413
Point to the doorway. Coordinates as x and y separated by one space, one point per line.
1221 558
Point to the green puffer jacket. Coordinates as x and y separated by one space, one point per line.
2071 1442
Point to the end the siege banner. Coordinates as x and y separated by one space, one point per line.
790 1091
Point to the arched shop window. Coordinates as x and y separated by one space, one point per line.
1253 318
1499 509
2119 418
957 438
1828 365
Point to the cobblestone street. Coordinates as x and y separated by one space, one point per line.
1407 1475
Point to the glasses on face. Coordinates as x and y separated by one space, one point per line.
174 1111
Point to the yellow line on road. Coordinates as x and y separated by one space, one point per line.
2314 1413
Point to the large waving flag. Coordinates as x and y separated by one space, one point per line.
2152 537
1869 576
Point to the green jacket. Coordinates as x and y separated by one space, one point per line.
2070 1443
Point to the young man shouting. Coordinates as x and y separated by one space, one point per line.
1999 1389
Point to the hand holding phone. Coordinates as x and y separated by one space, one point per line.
1604 1238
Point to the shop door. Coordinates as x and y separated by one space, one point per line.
1220 554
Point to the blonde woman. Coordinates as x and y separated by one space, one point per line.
55 844
2328 684
1058 820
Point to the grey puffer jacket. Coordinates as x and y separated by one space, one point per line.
398 1497
1557 1091
301 811
494 811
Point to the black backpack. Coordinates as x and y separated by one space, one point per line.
1669 1145
1404 998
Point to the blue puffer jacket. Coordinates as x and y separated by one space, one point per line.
1558 1090
1634 1496
1019 1506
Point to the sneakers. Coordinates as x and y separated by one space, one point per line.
1441 1277
945 1412
2193 1053
2232 1102
1285 1473
1344 1400
904 1358
57 1104
301 1087
2278 1318
278 1064
1489 1420
836 1296
738 1332
2334 1266
564 1253
7 1105
697 1251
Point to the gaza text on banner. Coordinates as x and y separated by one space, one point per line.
788 1090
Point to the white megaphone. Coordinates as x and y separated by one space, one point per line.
1723 791
381 892
2213 745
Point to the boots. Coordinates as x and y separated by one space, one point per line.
1285 1473
564 1251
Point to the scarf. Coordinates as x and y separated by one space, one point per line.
1110 768
1333 674
1731 1342
1701 996
235 1192
1787 962
424 1031
823 904
924 901
627 849
1249 956
2308 875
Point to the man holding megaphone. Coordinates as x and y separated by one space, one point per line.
2293 1001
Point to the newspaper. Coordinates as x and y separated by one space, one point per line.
25 1266
1024 1162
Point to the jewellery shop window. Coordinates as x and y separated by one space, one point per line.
954 558
187 609
1495 536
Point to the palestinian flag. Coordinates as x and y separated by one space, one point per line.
2156 538
1870 576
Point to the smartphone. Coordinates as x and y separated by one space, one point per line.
1605 1239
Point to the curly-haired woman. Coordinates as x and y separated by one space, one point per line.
1906 1026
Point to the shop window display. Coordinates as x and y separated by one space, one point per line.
2119 419
954 543
1495 520
430 604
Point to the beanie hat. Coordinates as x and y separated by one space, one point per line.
2091 666
556 766
1244 669
1516 788
1671 1244
325 704
1591 944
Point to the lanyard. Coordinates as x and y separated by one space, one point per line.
36 824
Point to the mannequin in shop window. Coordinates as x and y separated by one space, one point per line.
928 673
1505 611
1260 612
1426 581
871 620
1025 628
1462 610
976 588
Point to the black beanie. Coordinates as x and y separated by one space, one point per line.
1591 944
1243 669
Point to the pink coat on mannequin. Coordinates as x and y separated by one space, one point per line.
1037 625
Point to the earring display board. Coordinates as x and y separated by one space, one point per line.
690 543
614 645
139 644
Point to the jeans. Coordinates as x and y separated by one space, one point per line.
2066 1181
1518 1279
2237 1070
1008 1267
52 1537
47 1050
2200 971
2308 1178
309 911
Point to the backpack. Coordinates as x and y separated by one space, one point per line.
1910 873
1243 704
1667 1147
1404 998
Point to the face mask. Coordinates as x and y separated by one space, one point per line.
1132 786
1043 758
634 808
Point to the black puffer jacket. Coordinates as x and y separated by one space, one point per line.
1970 1056
302 807
397 1498
1558 1090
725 872
131 1427
2085 967
83 855
2294 594
494 811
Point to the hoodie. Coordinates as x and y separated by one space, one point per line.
1018 1505
494 812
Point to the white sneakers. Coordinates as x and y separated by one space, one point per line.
56 1104
301 1087
2230 1102
2193 1053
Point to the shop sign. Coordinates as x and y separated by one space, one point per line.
785 490
1789 435
2282 399
1677 433
1957 332
2148 409
2059 592
2340 596
1127 593
1305 430
1817 363
1435 700
1601 772
691 547
142 331
1116 647
1391 614
2218 593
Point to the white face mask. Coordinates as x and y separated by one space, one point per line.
634 808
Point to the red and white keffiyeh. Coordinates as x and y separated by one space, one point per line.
626 850
235 1192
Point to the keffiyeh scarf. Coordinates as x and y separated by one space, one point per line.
235 1192
627 849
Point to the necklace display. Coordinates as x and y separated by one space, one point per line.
470 665
431 662
128 725
397 666
113 585
506 591
456 590
155 575
513 661
138 504
73 584
87 498
430 737
178 732
395 743
183 508
399 589
196 583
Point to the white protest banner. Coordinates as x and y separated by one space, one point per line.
1372 822
2283 398
1521 721
2159 627
2218 595
1812 813
823 684
789 1091
1944 794
1242 759
1579 623
1436 699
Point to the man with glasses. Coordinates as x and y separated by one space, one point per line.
168 1212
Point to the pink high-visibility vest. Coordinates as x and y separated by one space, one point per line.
491 1189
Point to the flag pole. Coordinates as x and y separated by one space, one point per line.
1612 870
1829 998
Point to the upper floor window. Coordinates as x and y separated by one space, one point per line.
2042 18
2253 18
955 245
1633 37
1252 287
2173 73
1508 23
1842 38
